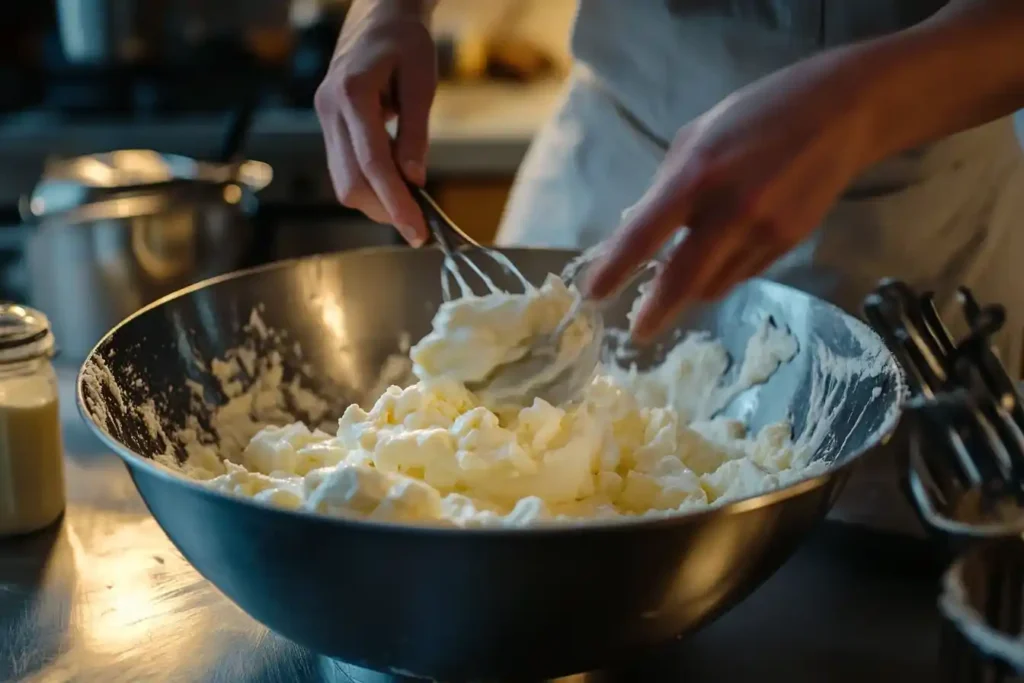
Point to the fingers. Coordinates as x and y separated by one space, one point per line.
709 263
417 80
748 261
686 273
382 54
666 207
648 225
350 187
364 117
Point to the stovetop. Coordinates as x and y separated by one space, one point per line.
178 75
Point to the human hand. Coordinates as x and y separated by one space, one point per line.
384 65
750 179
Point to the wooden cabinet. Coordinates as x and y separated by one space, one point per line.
474 203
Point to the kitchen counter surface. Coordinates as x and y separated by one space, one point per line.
104 597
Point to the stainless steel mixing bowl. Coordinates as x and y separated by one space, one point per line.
462 604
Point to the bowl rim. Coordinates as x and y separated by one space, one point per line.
624 523
957 608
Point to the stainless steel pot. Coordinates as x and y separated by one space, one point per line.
119 230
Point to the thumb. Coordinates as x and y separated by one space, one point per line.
417 81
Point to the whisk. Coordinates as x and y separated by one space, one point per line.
460 249
511 383
967 455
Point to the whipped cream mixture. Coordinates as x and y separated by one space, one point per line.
637 443
474 335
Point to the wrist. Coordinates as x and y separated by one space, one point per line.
880 74
863 75
843 81
879 86
960 69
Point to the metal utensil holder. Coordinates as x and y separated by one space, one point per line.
964 473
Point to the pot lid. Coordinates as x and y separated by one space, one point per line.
68 184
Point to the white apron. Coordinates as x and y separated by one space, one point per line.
947 214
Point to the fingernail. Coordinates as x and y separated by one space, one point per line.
414 238
414 171
646 322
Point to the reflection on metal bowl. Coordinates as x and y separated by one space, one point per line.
463 604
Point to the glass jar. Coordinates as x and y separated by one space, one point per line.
31 455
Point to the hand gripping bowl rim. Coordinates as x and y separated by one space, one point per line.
132 459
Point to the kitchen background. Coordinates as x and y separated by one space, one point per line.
80 77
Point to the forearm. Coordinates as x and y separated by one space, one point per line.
961 68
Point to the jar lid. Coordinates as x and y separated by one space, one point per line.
24 333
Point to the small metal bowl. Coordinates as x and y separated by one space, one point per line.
982 603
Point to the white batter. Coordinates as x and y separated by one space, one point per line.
637 443
476 334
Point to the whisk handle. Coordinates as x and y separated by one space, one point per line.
448 235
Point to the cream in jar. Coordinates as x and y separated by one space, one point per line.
31 460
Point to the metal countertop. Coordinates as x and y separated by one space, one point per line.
104 597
